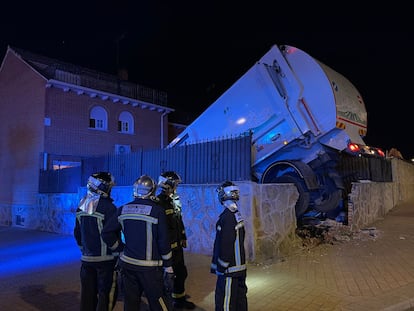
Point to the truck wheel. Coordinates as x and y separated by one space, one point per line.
303 201
328 202
328 198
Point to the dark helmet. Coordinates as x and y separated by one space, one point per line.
228 191
169 181
101 183
144 187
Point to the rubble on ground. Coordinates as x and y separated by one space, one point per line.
332 232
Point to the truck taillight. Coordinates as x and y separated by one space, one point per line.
381 153
354 147
357 149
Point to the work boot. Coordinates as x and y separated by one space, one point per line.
183 303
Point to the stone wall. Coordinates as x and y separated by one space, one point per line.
268 211
369 201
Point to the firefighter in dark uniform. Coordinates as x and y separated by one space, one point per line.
228 262
168 182
98 275
146 256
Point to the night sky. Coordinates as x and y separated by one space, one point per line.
196 50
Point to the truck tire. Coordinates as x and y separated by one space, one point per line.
302 203
329 202
329 199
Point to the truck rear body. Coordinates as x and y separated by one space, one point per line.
301 115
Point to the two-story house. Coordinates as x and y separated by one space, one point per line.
54 113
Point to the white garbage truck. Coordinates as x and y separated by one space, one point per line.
302 116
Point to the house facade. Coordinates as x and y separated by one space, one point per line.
53 114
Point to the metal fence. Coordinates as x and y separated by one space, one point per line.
202 163
354 169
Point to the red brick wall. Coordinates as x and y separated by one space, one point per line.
22 94
24 137
69 132
174 130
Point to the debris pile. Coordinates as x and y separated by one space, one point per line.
332 232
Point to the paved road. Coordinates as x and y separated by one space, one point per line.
367 271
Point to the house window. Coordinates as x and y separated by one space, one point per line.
98 118
126 123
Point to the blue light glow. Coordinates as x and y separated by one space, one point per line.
38 251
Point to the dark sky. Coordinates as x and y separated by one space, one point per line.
196 50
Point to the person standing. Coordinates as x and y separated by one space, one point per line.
146 258
229 260
98 275
170 201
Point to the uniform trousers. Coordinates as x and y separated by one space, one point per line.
231 293
180 272
99 288
149 281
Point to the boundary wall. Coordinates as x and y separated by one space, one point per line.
268 211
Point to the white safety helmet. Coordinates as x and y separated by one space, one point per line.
228 191
168 181
101 183
144 187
